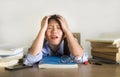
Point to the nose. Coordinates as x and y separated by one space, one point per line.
54 30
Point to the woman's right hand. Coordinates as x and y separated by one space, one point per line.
44 23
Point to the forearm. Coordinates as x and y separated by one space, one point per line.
74 46
38 43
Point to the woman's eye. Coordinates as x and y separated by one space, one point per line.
58 28
49 27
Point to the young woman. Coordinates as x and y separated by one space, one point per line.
50 41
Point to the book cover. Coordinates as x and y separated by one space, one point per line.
57 62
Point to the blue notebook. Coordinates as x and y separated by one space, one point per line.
57 62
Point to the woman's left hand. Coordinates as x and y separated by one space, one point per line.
64 24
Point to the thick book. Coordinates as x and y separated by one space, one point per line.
103 44
113 41
8 49
11 57
106 49
9 63
115 57
57 62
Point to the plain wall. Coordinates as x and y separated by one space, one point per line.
20 19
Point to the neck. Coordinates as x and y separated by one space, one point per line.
54 48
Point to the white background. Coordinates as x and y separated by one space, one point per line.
20 19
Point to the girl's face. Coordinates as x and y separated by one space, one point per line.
54 33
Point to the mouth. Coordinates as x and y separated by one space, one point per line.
54 37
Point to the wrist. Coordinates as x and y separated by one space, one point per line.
78 59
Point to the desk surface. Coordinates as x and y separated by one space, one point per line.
105 70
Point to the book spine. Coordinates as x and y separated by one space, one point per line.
105 49
102 44
105 56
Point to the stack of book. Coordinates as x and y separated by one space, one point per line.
10 55
105 49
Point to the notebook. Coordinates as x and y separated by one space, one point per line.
56 62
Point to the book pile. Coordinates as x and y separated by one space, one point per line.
107 50
10 55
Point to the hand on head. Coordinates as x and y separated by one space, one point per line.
64 25
44 22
